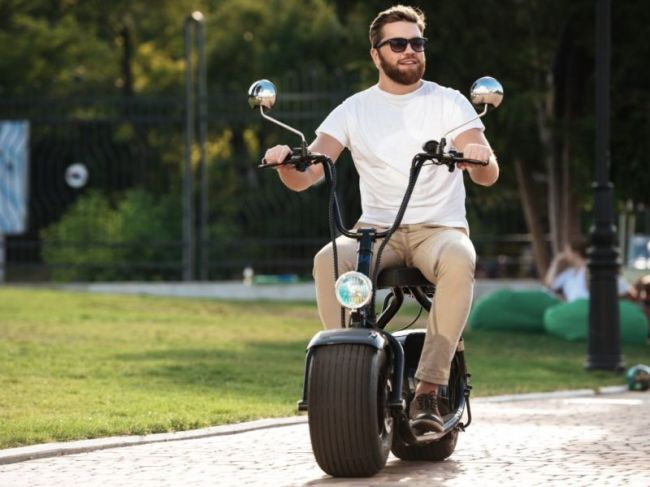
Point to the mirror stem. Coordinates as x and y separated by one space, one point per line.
485 109
442 145
277 122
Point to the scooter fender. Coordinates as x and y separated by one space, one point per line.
344 336
359 336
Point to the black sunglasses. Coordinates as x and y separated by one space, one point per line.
398 44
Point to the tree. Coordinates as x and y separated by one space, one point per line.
541 50
83 47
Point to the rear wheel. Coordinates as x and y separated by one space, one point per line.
445 446
431 452
350 425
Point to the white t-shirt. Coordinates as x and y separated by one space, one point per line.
384 131
572 282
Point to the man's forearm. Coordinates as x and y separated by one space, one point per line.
296 180
486 175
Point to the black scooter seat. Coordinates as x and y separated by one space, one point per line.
402 277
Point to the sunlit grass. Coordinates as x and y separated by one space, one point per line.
83 365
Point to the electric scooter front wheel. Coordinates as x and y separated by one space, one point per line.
350 424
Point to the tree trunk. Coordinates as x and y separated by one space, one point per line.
533 219
544 118
570 215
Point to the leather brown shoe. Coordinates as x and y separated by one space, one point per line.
424 414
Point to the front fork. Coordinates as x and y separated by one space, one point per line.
364 317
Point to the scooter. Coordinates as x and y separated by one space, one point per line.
359 380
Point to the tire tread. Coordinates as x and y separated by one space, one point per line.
342 411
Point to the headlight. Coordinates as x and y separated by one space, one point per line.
353 289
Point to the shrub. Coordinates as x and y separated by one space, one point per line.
139 238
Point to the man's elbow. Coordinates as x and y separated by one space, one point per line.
492 180
487 180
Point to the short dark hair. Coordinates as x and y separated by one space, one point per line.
396 13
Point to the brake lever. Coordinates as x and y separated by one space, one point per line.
299 158
457 158
287 160
263 164
451 159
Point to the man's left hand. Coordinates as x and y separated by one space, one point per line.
479 152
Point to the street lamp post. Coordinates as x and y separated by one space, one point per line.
604 348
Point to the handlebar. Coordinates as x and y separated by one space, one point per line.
436 155
302 158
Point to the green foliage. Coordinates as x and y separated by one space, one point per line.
44 55
148 227
75 245
94 241
266 39
541 50
72 47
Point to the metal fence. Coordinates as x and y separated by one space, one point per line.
125 220
106 189
80 148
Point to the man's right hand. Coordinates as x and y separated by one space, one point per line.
289 175
277 154
297 180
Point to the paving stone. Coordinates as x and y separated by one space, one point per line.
601 440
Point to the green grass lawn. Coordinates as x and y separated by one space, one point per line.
86 365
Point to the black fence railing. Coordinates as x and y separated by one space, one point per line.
125 222
264 256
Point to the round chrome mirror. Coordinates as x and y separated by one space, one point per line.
261 94
486 91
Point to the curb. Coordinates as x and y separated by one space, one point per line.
535 396
47 450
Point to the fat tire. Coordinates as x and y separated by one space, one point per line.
351 431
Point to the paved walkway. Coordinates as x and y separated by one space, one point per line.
597 440
236 290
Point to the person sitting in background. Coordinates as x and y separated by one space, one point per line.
642 291
567 275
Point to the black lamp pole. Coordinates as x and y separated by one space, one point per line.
604 347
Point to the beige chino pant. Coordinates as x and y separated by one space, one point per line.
444 255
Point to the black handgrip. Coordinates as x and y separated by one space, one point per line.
478 162
458 157
300 158
286 160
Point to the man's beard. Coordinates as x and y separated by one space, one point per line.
403 77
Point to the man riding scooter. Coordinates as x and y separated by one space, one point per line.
382 127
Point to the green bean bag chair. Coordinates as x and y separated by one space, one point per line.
510 310
571 322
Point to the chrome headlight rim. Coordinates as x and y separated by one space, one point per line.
357 275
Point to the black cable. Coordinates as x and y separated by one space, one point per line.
413 322
413 176
330 175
